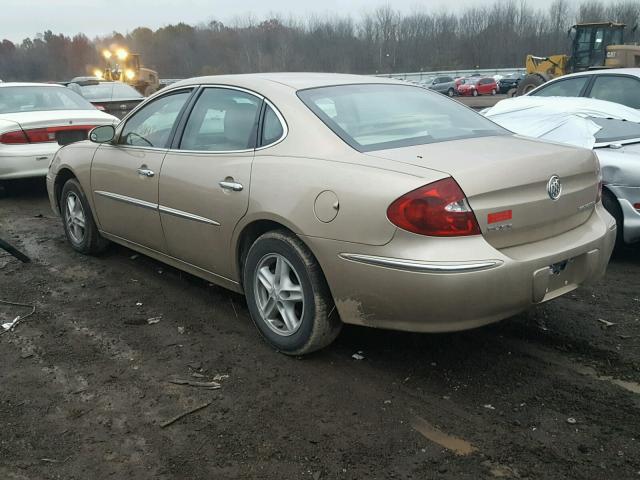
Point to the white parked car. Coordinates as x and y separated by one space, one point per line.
35 120
612 130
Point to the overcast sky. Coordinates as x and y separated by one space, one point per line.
25 18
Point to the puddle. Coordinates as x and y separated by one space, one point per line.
455 444
562 361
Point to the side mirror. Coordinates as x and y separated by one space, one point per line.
102 134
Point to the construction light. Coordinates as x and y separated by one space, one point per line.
106 54
130 74
122 54
98 73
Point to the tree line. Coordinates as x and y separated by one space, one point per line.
382 40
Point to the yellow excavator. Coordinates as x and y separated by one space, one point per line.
594 46
123 66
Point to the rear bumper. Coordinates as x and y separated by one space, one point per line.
434 285
25 161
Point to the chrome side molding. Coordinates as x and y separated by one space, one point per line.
420 267
187 215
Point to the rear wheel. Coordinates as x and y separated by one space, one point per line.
79 226
611 204
493 91
287 295
528 83
450 92
475 93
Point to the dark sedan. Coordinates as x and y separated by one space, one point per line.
510 82
115 98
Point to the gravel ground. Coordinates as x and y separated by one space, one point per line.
85 381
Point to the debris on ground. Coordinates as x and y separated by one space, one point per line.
606 323
184 414
194 383
14 251
571 420
219 377
138 304
180 330
10 326
358 355
153 320
488 406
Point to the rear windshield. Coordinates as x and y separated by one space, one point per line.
36 98
109 91
376 117
616 130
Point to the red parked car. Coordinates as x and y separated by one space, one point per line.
475 86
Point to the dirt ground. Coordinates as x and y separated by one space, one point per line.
84 381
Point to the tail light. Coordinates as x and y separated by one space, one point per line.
636 206
14 138
39 135
100 107
439 209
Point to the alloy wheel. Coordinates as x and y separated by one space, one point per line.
279 294
75 218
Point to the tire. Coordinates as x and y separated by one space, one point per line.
611 205
475 93
450 92
528 83
312 322
77 218
493 91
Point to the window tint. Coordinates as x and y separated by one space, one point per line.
271 128
624 90
570 87
151 126
222 120
375 117
36 98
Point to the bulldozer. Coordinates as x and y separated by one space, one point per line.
123 66
594 46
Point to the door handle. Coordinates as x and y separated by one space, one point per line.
146 172
231 185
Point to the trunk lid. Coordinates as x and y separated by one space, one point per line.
505 179
53 118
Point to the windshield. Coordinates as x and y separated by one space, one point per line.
616 130
37 98
376 117
109 91
470 81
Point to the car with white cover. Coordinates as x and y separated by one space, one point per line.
613 132
35 120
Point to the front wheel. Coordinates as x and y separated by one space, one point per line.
79 226
475 93
611 205
493 92
287 295
450 92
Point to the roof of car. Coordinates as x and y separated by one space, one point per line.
605 71
28 84
295 80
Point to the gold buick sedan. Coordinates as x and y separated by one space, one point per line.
330 199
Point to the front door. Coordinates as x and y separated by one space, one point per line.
124 174
204 183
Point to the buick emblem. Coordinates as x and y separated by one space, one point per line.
554 187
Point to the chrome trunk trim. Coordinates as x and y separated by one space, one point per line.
420 267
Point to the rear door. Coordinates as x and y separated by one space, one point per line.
204 183
124 175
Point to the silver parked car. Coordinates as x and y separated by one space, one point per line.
445 85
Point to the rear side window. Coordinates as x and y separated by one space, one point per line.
378 116
617 89
222 120
36 98
571 87
272 130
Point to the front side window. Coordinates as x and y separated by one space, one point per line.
37 99
617 89
222 120
377 116
151 126
571 87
